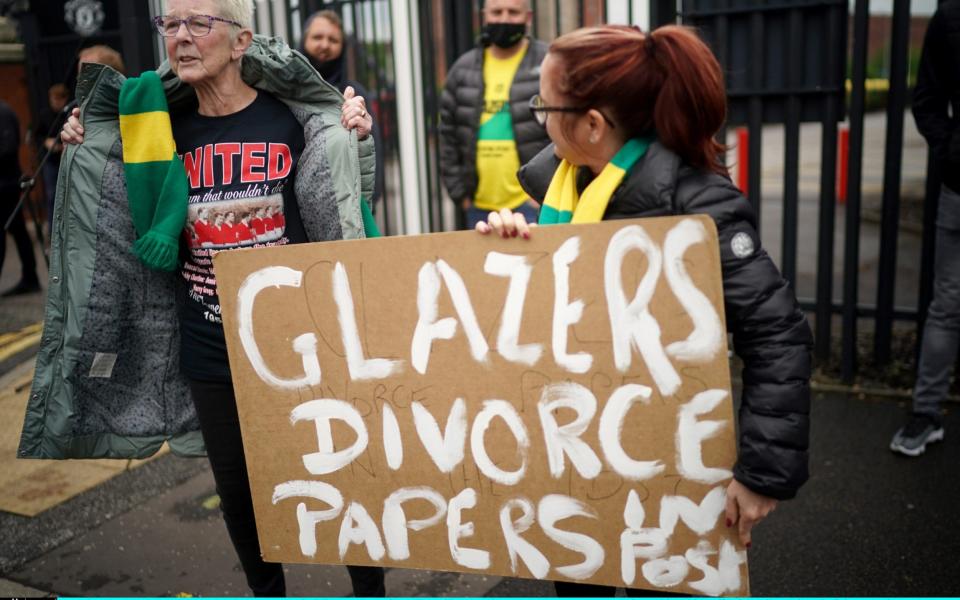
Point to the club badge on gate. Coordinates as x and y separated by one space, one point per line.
85 17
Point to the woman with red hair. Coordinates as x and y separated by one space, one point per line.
633 119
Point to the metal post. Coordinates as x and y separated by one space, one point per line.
755 121
851 256
431 104
137 38
663 12
410 104
458 24
791 155
831 112
893 156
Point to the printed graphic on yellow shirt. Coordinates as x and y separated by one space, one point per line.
497 158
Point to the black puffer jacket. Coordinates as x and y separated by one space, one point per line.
461 105
770 332
936 99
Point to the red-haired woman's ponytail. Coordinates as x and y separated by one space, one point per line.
667 82
691 106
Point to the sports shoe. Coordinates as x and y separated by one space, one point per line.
912 439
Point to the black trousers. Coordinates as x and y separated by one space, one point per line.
9 196
217 410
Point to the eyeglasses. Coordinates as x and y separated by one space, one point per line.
539 110
197 25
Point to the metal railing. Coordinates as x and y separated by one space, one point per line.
787 62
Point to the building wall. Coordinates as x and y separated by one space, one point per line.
15 92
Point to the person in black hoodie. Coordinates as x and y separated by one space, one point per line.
936 100
635 115
324 44
9 198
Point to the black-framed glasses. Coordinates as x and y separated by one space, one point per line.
197 25
540 110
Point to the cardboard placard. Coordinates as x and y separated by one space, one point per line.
462 402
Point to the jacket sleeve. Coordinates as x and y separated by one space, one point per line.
451 159
368 168
772 337
931 96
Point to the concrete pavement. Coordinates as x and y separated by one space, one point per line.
868 523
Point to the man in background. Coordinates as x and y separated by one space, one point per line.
486 128
46 135
9 198
104 55
935 98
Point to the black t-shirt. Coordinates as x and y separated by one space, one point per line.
241 170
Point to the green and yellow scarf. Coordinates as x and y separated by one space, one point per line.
157 189
564 204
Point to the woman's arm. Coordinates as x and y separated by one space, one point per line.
772 337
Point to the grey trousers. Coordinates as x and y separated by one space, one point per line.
941 334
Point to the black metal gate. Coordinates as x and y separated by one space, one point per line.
785 61
788 62
52 44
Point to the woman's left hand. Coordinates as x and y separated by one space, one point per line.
354 114
506 224
745 508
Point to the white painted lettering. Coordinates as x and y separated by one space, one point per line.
491 410
611 430
518 269
358 528
706 339
691 434
395 522
637 541
446 450
471 558
305 345
322 412
631 324
307 519
360 368
557 507
565 439
566 314
536 562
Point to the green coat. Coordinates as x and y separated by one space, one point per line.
107 381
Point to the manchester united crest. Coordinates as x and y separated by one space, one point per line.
85 17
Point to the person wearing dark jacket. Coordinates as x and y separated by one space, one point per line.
324 45
9 197
44 136
643 110
936 100
486 131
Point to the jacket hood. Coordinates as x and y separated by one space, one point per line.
270 65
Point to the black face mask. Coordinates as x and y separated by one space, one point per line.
503 35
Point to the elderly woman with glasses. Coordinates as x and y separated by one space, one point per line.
247 136
633 119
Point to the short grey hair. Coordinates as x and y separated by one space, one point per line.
240 11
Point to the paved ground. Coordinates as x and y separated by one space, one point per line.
868 522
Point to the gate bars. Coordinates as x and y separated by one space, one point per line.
786 62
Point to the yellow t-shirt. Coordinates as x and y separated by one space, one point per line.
497 158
